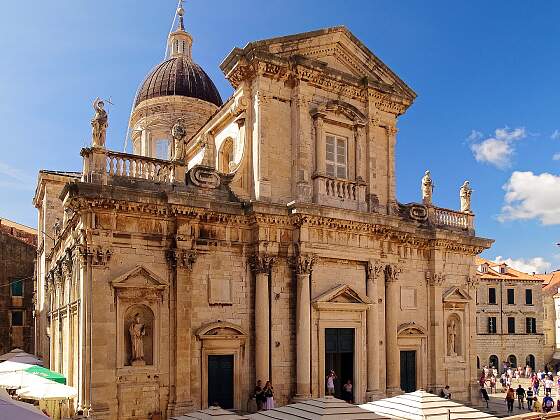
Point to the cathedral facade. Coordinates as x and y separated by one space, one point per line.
255 239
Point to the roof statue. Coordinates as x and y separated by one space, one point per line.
99 124
427 188
465 195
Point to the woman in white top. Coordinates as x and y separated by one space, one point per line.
330 382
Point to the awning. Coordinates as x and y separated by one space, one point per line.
18 355
12 409
40 371
48 391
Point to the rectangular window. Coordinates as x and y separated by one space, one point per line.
16 287
531 325
336 161
511 325
492 295
511 296
17 318
162 149
528 296
492 325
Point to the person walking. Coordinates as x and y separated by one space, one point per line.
268 393
520 392
529 395
330 382
493 384
510 399
548 384
258 395
484 395
347 392
537 406
548 403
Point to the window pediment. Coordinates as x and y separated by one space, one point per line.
221 330
139 278
455 295
341 108
411 329
342 295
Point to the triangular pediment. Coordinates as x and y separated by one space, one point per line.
342 293
139 277
336 49
456 294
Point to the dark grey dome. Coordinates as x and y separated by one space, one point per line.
178 76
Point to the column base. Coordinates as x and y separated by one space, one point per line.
179 408
394 391
374 395
300 398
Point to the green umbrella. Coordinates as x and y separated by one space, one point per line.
47 374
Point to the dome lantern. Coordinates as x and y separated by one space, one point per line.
179 42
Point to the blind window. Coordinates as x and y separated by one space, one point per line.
336 156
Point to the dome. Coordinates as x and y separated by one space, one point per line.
178 75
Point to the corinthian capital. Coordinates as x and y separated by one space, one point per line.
391 130
181 258
261 262
434 279
373 270
473 281
392 272
303 263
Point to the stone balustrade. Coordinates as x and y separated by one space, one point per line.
339 193
341 188
134 166
452 218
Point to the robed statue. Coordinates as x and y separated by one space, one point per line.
427 188
178 133
99 124
465 194
137 331
452 338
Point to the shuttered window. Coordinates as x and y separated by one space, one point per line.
531 326
336 156
492 325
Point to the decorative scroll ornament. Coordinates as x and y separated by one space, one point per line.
391 272
303 263
204 177
99 124
261 263
434 279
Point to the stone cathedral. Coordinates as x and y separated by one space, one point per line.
258 238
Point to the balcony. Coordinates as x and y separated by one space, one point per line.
341 193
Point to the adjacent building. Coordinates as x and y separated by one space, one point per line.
509 315
18 245
551 323
258 238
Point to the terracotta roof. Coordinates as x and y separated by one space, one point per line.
494 272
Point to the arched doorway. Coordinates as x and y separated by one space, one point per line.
530 361
494 362
512 360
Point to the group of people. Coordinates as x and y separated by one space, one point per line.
538 381
347 393
263 396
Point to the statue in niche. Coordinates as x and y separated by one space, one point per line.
99 124
178 133
452 338
137 332
465 194
427 188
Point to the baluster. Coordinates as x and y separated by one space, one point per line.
110 162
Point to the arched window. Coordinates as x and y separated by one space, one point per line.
162 149
494 362
530 361
225 156
512 360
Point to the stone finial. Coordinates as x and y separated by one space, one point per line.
99 124
178 134
427 188
465 195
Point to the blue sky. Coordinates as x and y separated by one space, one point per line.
486 73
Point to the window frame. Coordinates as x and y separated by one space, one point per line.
531 325
335 163
12 312
156 149
492 325
495 302
529 293
14 281
511 325
512 290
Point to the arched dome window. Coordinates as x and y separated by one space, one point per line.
161 149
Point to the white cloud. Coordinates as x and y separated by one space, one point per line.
475 135
555 135
15 178
498 149
556 156
531 196
532 265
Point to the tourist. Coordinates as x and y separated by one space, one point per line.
347 392
258 395
510 399
548 384
529 395
520 392
535 382
537 406
484 395
330 382
482 379
493 384
445 393
268 393
548 403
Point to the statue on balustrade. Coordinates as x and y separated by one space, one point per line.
137 332
427 188
178 133
465 194
99 124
